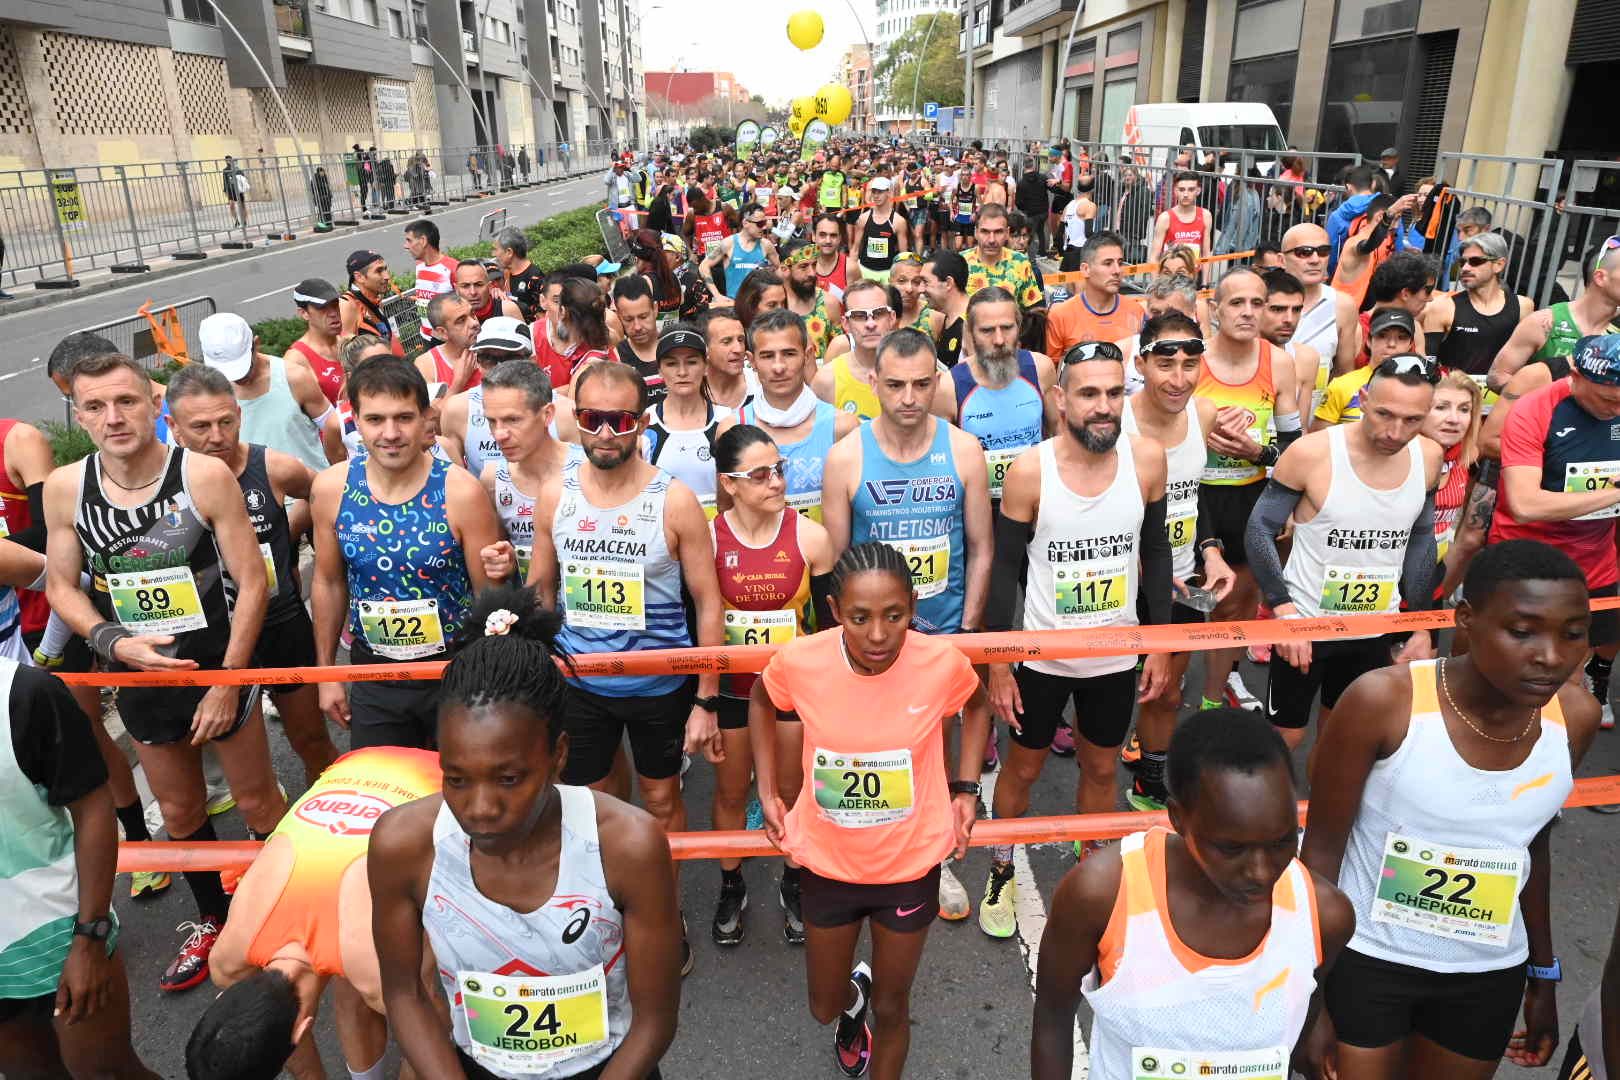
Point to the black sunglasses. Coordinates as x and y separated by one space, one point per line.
1321 251
1093 350
1171 346
1475 260
1410 364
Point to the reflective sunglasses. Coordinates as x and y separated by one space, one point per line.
1474 260
1171 346
761 474
1093 350
1608 245
1410 364
1305 251
614 421
871 315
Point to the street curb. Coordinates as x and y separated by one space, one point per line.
38 298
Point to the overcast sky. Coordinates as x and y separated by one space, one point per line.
752 44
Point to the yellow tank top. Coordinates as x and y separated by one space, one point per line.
852 394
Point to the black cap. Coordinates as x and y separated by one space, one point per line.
1387 318
314 291
681 338
359 260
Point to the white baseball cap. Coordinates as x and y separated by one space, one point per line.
227 344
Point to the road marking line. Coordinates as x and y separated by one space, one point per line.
261 296
13 374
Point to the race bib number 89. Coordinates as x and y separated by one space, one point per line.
157 601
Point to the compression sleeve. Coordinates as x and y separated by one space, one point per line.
1155 553
1260 539
1374 238
1012 555
1418 568
33 537
1289 429
821 590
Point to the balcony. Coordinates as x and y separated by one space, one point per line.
469 46
292 28
1026 18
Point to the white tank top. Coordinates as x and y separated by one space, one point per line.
687 455
516 511
1185 465
479 443
1347 559
1440 850
1318 324
1084 560
539 994
1152 996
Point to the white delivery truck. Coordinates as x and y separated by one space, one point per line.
1236 125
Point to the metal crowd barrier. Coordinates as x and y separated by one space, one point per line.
1583 221
155 337
1518 194
59 221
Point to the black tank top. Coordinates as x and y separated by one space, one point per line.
949 346
155 568
1475 339
269 517
877 243
648 369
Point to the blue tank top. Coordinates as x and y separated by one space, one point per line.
917 507
805 459
742 263
619 585
1006 421
408 585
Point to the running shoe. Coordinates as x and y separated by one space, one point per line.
1063 741
687 959
992 753
1142 799
954 904
1129 754
190 965
1084 849
221 802
1606 718
146 884
1237 695
787 894
852 1038
996 916
728 922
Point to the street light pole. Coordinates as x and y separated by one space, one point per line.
1063 62
916 119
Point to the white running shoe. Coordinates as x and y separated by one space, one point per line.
954 904
1237 694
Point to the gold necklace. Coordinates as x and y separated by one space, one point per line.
1446 688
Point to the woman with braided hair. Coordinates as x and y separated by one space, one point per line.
875 815
553 922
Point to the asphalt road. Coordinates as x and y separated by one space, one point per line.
743 1010
255 286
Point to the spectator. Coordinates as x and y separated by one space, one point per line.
236 190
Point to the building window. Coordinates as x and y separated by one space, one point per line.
1365 92
1267 27
1118 97
396 23
192 11
1374 18
1269 81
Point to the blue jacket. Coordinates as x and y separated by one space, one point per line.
1338 228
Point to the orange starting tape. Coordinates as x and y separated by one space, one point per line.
999 648
171 857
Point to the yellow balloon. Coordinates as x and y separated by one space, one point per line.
834 103
803 109
805 28
796 126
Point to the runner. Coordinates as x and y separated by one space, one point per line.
523 278
618 546
944 279
1201 951
317 304
471 280
1361 497
963 208
707 224
832 265
1166 411
747 251
1454 423
452 360
281 404
726 339
463 417
207 420
845 380
1462 762
575 329
991 262
528 889
434 270
881 233
1328 320
360 303
638 314
1184 223
64 998
521 408
1553 332
301 918
1002 392
341 436
1469 327
1559 453
820 310
681 430
1244 377
179 585
906 277
769 600
870 829
1090 498
1390 333
381 520
1096 312
1279 325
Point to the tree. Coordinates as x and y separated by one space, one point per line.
941 78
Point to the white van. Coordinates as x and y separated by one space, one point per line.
1238 125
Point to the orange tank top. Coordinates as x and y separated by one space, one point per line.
329 827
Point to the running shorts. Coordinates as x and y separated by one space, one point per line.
597 724
158 715
289 643
1334 666
1102 706
1376 1003
903 906
1226 508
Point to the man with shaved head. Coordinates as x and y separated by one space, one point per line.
1327 323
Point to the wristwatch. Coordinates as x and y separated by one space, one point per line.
1546 974
1212 542
964 787
96 929
712 702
